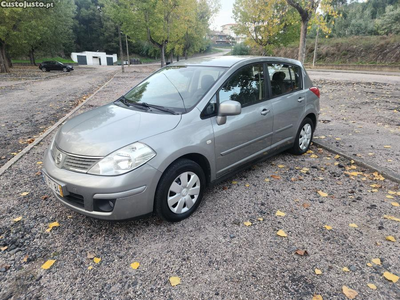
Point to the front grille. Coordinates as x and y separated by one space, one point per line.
79 164
73 162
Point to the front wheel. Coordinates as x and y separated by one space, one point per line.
65 70
180 190
44 70
304 137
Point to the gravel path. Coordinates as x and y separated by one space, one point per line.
36 100
213 253
360 118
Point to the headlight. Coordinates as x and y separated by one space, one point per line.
123 160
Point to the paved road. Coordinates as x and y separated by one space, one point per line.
360 115
29 106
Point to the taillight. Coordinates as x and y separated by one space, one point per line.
315 90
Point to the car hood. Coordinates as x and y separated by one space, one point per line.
103 130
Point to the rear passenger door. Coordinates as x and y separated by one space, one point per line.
288 101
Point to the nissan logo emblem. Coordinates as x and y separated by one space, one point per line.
59 158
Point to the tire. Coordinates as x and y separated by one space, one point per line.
172 186
65 70
304 137
44 70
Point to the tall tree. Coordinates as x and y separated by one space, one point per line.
265 23
306 9
9 22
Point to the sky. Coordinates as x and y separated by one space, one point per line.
224 15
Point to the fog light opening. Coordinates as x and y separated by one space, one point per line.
104 205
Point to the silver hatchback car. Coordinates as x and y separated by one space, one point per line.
187 125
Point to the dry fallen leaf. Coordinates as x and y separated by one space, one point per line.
48 264
135 265
234 182
266 179
351 294
328 227
391 277
281 166
17 219
301 252
318 271
281 233
44 197
313 156
247 223
345 269
24 193
90 267
322 194
387 146
96 260
247 185
306 205
3 248
353 225
90 255
369 264
260 219
51 225
376 261
390 238
372 286
395 204
174 281
391 218
280 213
276 176
317 297
389 197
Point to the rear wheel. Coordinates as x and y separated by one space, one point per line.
304 137
65 70
180 190
44 70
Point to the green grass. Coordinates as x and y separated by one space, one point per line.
39 60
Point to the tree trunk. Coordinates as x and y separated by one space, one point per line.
127 50
9 62
32 56
303 36
171 57
121 53
162 54
315 48
186 55
177 58
4 67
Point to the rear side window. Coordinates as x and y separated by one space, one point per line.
284 78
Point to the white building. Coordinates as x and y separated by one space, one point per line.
229 29
94 58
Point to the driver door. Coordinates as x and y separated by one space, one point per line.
249 134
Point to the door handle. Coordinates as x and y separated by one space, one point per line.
265 111
300 99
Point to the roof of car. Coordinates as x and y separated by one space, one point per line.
229 61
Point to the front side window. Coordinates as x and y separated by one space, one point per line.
245 86
176 87
284 78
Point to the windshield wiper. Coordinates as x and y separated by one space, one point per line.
162 108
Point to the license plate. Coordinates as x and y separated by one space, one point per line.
55 187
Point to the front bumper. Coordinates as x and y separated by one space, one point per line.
132 193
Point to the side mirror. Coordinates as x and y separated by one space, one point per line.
228 108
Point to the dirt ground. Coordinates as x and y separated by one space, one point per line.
360 115
336 211
32 100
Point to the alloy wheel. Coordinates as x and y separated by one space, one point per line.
305 136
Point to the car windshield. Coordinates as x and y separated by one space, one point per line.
177 88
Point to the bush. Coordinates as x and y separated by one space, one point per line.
241 49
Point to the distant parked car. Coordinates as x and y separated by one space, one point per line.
47 66
189 124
